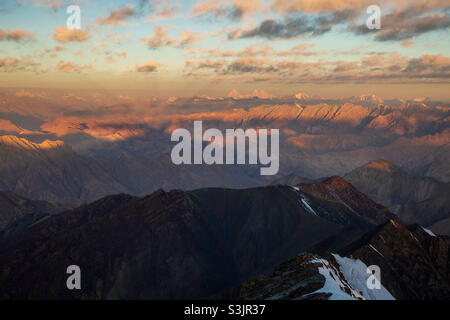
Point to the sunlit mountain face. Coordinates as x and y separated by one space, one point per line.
91 93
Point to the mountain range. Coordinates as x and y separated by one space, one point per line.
172 245
413 198
101 200
115 152
17 212
414 264
52 171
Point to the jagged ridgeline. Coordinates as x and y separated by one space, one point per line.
173 245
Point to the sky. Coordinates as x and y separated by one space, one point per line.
212 47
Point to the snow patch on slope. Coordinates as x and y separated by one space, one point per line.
333 283
305 201
355 273
429 232
375 249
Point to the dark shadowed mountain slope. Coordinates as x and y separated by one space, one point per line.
171 244
412 198
16 210
311 277
292 180
353 207
414 262
140 175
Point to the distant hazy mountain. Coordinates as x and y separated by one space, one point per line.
429 211
373 99
51 171
439 168
414 199
441 227
319 138
390 185
180 244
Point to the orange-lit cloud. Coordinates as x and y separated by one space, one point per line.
63 34
160 38
232 9
54 4
70 67
407 44
117 17
15 35
151 66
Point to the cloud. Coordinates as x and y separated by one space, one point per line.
233 9
256 50
71 67
122 54
11 64
58 48
54 4
246 7
118 17
298 50
317 6
371 68
291 27
214 7
110 59
160 38
401 19
163 10
427 63
116 38
249 65
405 25
64 35
407 44
17 35
261 94
151 66
8 126
188 37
